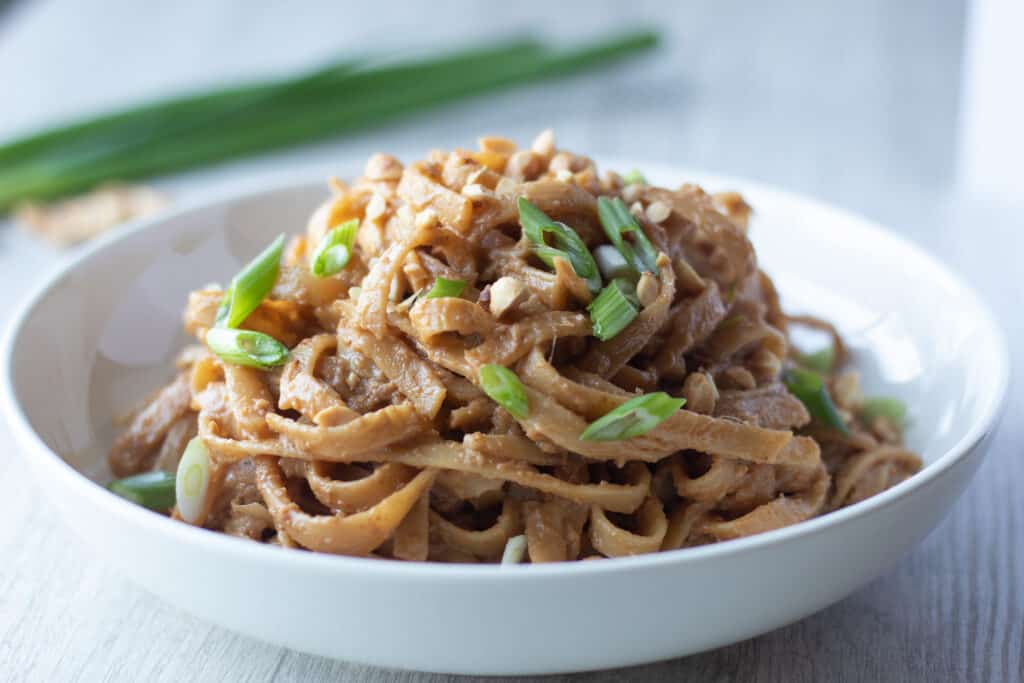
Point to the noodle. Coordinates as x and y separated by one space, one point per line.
376 437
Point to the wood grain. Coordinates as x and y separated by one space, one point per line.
854 102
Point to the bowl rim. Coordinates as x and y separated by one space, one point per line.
246 551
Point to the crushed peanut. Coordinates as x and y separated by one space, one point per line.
658 211
505 294
647 289
80 218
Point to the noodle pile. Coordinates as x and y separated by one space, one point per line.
375 438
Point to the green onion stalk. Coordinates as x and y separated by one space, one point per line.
218 126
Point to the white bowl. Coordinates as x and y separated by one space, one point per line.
102 332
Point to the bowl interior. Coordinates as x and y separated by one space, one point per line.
105 333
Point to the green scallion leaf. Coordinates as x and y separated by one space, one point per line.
250 286
634 177
617 222
154 490
892 409
819 361
212 127
444 287
567 243
808 386
614 308
335 249
633 418
515 549
246 347
502 385
192 481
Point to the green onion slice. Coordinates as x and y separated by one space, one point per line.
246 347
154 490
819 361
891 409
633 418
515 549
567 243
634 177
614 308
502 385
192 481
807 386
617 221
444 287
250 286
335 249
612 264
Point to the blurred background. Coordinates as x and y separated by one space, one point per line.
908 112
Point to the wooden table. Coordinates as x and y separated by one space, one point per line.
855 103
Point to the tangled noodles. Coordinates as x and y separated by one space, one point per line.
439 369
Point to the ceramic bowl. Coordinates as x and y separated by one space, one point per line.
103 331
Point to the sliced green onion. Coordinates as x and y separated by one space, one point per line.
251 286
807 386
612 264
617 221
614 308
819 361
444 287
515 549
634 177
154 490
502 385
335 249
246 347
567 243
192 481
892 409
633 418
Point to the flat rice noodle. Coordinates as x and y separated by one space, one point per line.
250 400
411 540
554 530
486 544
702 235
781 512
370 432
301 390
452 455
892 462
480 492
173 445
680 431
510 447
613 541
722 477
509 343
608 357
681 523
589 402
356 495
413 376
356 534
431 317
770 406
691 323
133 451
568 286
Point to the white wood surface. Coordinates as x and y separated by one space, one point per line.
853 102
